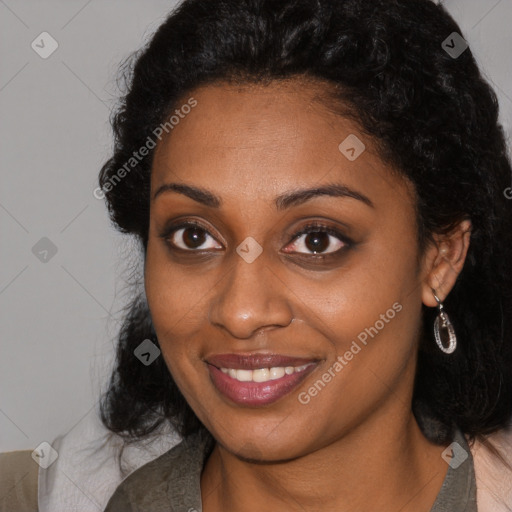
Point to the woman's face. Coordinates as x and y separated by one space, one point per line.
247 293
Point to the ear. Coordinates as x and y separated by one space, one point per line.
443 262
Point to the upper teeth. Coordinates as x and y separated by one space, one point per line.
263 374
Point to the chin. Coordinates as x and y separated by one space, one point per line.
261 443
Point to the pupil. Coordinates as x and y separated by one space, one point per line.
195 239
319 239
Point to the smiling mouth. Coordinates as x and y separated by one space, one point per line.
257 379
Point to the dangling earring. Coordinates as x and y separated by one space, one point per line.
442 323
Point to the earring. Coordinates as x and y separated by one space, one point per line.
443 323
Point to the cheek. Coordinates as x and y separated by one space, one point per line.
370 314
379 275
173 301
175 317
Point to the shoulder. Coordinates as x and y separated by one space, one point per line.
157 482
149 480
18 481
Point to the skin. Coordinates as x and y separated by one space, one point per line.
356 445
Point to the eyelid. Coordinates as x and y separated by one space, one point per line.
321 227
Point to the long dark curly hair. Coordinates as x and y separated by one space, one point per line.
434 118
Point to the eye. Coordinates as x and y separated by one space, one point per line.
317 238
190 236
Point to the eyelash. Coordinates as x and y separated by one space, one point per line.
312 227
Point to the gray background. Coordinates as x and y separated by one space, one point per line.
59 317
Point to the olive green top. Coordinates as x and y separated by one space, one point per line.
171 483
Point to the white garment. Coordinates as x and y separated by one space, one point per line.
86 472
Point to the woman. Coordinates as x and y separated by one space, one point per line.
319 193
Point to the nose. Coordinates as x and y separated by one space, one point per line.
249 299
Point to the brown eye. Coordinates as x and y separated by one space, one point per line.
191 237
317 239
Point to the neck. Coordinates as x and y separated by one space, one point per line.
381 465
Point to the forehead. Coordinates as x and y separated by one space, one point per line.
262 140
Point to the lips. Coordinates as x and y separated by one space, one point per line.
256 394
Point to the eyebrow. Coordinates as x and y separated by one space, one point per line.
282 202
